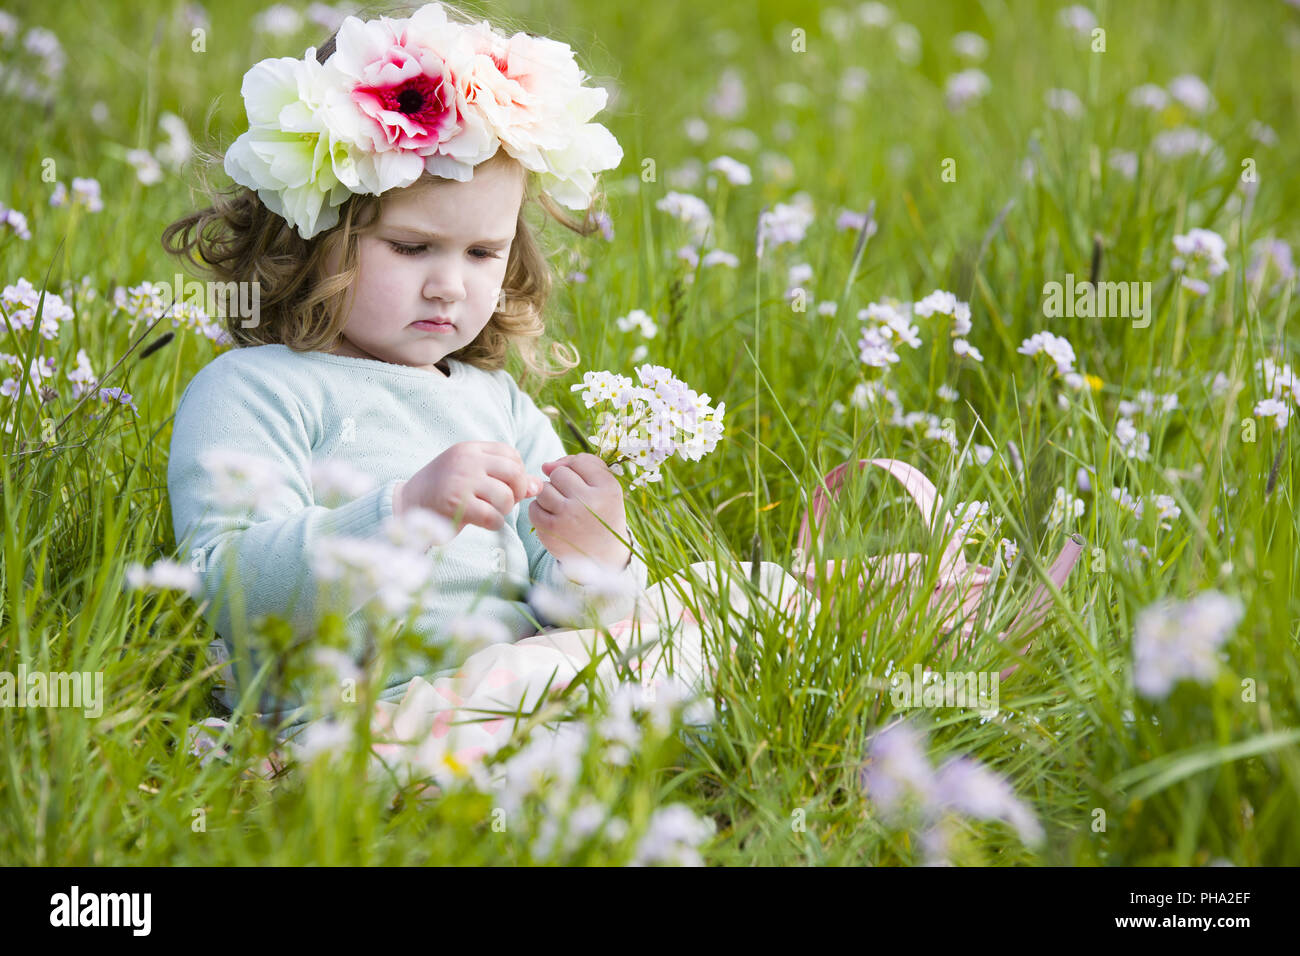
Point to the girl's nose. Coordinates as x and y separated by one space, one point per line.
445 284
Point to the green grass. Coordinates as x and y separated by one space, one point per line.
1212 772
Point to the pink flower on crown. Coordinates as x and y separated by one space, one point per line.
530 91
401 78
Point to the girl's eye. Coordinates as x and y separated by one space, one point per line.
406 250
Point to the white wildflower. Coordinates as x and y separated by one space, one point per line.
640 320
1133 443
1064 508
961 88
1066 101
1078 18
1148 96
1200 252
970 46
735 172
1058 349
1279 411
1191 91
945 303
690 209
785 223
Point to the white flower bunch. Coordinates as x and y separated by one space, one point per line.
85 192
146 301
1275 409
83 376
1149 403
335 482
1279 380
649 424
672 837
640 320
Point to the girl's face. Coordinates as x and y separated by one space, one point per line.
437 253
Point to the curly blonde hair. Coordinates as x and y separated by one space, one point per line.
304 306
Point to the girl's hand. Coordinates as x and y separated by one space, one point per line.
479 482
560 516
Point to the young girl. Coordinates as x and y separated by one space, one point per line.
387 176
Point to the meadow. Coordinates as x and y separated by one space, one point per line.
1041 252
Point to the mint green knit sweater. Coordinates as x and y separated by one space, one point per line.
385 420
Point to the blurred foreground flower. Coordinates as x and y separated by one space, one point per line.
242 480
1178 640
899 768
601 592
672 837
650 423
163 576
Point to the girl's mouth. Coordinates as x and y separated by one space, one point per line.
429 325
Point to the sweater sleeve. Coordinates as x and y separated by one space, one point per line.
538 442
256 559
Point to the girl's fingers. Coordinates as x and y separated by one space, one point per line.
549 500
500 450
499 495
510 473
569 483
480 513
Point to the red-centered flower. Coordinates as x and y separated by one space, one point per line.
418 111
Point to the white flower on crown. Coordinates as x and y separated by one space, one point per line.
399 97
290 155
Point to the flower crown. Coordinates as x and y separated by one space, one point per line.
398 97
